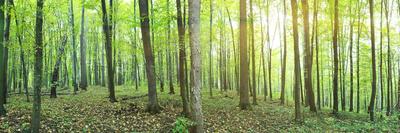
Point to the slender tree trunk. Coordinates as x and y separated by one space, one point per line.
170 70
74 58
308 59
316 5
6 37
283 69
253 55
358 55
335 59
297 82
371 108
351 62
244 71
381 82
35 125
152 106
389 65
108 47
182 59
2 89
194 34
210 73
84 82
234 50
56 69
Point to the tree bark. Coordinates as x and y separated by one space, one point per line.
84 84
371 108
308 59
2 89
108 47
297 82
182 59
152 105
351 62
38 67
74 58
244 71
283 69
253 55
56 69
335 59
194 34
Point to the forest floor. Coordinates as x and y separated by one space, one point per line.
91 111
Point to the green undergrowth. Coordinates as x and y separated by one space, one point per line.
90 111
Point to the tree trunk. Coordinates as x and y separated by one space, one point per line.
56 69
84 82
169 57
210 73
194 28
38 67
74 58
351 62
358 55
371 108
308 59
152 106
2 89
108 47
6 37
244 71
182 59
297 82
316 5
335 59
253 55
283 69
389 65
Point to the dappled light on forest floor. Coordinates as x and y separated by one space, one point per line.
91 111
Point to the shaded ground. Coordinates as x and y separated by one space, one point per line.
91 112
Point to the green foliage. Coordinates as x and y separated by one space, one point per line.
181 125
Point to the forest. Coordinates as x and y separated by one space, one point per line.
199 66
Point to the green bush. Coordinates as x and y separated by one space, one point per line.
181 125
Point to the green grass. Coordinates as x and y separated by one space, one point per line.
90 111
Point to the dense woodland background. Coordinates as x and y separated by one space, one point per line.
200 65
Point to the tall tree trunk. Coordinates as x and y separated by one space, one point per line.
253 55
152 106
22 55
351 61
210 73
335 59
108 47
358 54
315 18
283 69
38 67
2 88
371 108
380 82
297 82
389 65
244 71
194 34
182 59
74 58
6 37
56 69
236 81
308 59
170 70
84 82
